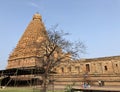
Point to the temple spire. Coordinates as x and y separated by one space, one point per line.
27 53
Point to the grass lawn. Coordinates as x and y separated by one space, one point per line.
22 89
16 89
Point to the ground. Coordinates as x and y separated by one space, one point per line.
16 89
22 89
103 88
32 89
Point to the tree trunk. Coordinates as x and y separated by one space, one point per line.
45 83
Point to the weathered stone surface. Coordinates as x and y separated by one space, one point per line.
27 53
105 69
103 65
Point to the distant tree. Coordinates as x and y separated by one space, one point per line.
56 49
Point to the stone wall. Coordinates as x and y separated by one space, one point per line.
24 62
105 65
106 69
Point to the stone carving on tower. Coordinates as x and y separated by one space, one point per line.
27 53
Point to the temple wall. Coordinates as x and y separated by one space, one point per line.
104 69
24 62
91 66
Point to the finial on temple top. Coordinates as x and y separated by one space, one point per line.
37 16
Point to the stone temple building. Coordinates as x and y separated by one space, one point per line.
27 54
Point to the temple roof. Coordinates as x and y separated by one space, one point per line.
27 46
37 16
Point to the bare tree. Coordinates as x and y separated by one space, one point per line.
56 49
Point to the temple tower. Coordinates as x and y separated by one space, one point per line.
27 53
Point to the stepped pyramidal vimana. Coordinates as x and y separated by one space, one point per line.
27 55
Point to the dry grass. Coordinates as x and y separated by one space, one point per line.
23 89
16 89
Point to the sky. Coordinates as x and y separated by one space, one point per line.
95 22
